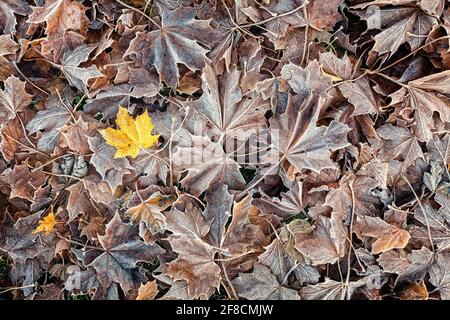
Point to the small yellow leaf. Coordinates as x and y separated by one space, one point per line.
148 291
132 135
46 224
334 78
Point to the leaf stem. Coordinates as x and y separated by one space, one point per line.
140 12
425 214
28 80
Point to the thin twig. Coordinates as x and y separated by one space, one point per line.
16 288
25 131
425 214
413 52
305 44
66 106
80 243
140 12
28 80
276 16
345 293
25 146
230 284
62 175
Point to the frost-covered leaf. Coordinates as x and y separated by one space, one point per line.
122 250
175 42
13 99
261 284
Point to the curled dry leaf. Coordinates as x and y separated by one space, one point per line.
415 291
147 291
149 210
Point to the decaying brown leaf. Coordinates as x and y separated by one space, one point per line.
174 43
147 291
261 284
13 99
386 236
122 250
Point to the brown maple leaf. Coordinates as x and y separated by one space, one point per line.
302 143
147 206
122 249
8 10
261 284
174 42
60 17
13 99
386 236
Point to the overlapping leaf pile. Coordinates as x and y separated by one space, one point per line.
102 101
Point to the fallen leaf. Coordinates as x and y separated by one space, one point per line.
207 163
410 267
415 291
60 17
18 240
400 142
70 66
8 20
302 143
112 170
261 284
13 99
149 210
330 290
161 47
326 243
48 123
25 182
360 95
46 224
147 291
387 236
122 250
196 265
132 135
440 275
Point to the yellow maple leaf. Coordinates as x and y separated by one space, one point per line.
46 224
132 135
